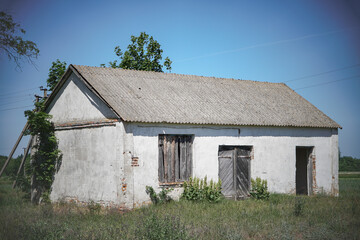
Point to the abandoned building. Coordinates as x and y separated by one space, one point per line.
121 130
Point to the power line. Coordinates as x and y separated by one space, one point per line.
266 44
9 103
11 93
2 110
16 96
5 100
322 73
325 83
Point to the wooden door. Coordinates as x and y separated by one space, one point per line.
234 170
226 172
243 156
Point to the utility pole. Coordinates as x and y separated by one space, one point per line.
44 90
24 166
37 99
23 160
14 148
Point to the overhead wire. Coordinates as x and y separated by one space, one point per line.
16 96
322 73
2 110
11 93
22 100
329 82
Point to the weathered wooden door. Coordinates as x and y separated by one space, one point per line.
243 156
226 172
234 170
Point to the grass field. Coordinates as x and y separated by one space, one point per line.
282 217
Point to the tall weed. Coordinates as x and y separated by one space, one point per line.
199 190
259 189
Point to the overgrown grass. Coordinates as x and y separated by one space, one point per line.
282 216
349 175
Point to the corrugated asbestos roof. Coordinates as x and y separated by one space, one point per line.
151 97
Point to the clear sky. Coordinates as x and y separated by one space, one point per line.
312 45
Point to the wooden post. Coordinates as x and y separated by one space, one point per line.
23 160
14 148
24 167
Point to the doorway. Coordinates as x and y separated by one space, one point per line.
234 170
304 170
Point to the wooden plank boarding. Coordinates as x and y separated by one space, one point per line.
243 171
226 172
188 157
169 165
165 160
161 158
175 158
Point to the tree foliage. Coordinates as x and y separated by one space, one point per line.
144 53
12 44
46 158
13 165
349 164
56 71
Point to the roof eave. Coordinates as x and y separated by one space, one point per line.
232 124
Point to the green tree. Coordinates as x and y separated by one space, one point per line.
12 44
349 164
144 53
56 71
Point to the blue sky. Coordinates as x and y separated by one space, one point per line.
306 44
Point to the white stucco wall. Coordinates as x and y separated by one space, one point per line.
274 154
92 166
91 163
75 102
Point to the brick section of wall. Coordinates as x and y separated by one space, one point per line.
134 161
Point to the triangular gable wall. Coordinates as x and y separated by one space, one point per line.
75 102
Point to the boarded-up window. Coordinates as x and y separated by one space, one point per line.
175 158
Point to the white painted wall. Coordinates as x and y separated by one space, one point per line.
91 163
75 103
274 154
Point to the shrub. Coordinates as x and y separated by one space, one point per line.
198 190
160 198
259 189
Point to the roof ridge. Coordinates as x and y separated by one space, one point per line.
179 74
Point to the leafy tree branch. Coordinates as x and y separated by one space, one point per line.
12 44
56 71
143 53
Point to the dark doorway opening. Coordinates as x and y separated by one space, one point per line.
234 170
304 170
